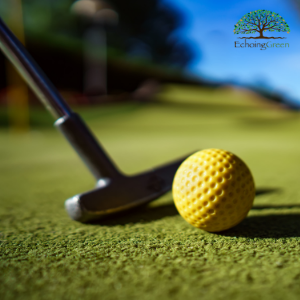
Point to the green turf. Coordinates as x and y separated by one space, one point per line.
152 253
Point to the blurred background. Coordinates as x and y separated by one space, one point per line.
99 52
108 57
96 51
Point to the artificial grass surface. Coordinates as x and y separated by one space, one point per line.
152 253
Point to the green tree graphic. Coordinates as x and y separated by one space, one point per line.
259 21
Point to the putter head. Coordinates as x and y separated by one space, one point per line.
122 193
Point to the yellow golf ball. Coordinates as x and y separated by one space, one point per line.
213 190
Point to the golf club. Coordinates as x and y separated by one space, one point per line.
114 192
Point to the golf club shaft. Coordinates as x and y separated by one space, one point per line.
69 123
32 74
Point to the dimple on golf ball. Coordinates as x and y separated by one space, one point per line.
213 190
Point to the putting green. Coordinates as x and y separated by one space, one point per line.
152 253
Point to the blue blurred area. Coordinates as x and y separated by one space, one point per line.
211 25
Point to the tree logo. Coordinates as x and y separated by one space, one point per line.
260 21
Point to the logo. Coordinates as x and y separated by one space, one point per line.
259 22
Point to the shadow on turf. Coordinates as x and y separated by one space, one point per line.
276 206
269 226
146 214
263 191
143 214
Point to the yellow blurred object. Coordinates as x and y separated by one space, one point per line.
213 190
17 91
